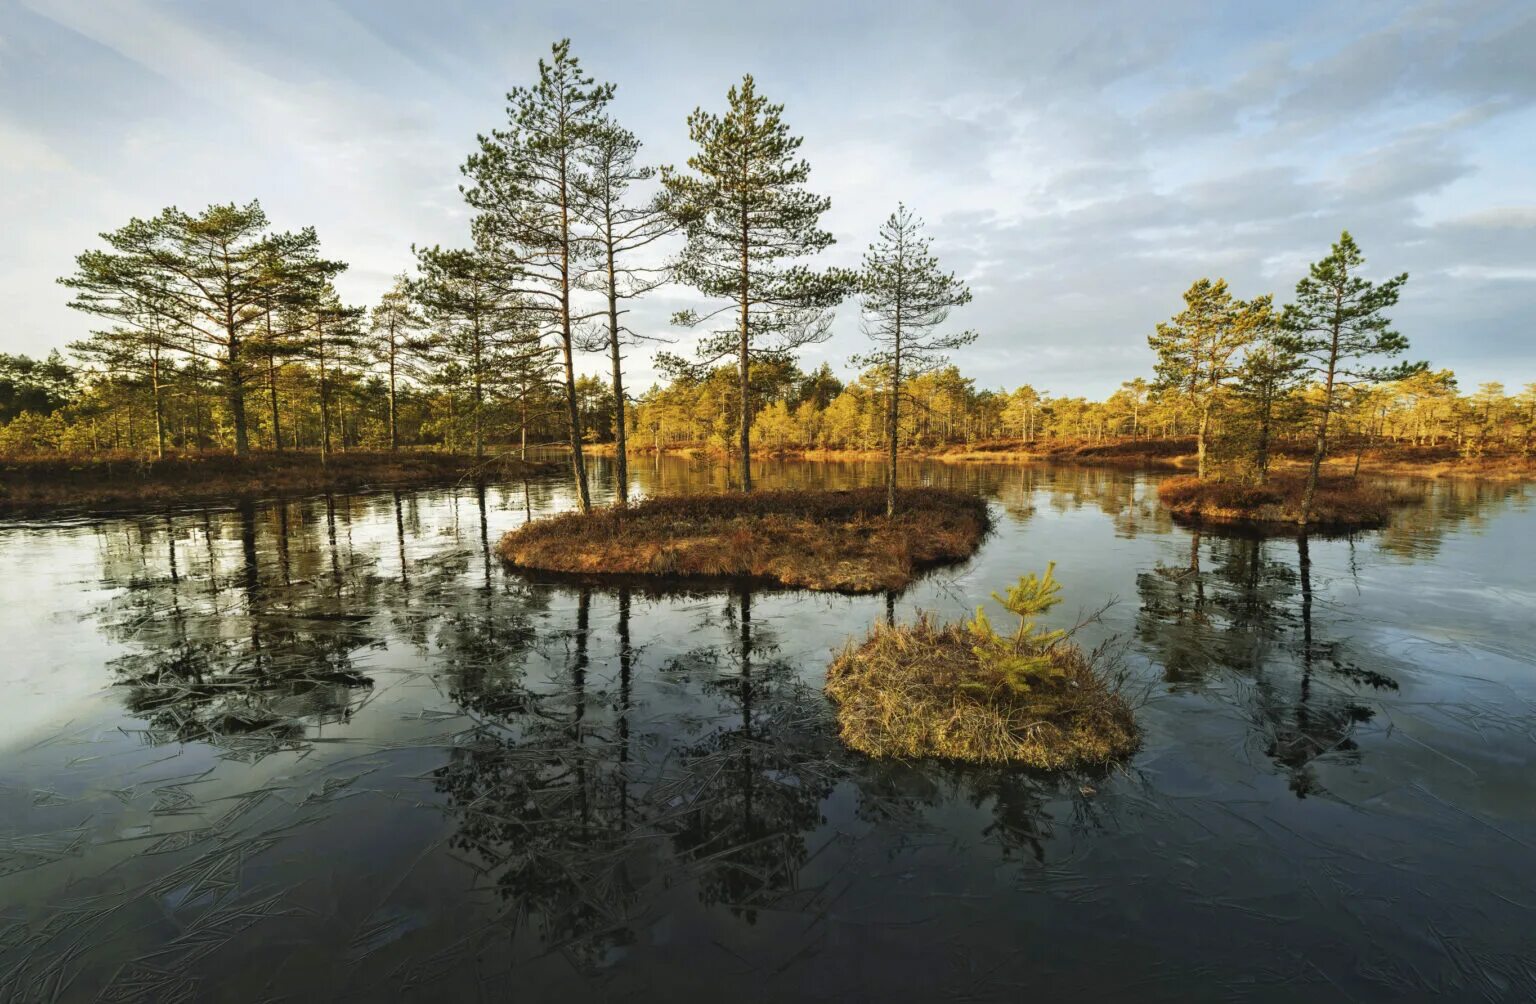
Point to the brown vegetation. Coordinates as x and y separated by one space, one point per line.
1150 453
925 690
1172 454
1341 502
106 482
838 541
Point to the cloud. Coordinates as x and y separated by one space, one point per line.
1079 165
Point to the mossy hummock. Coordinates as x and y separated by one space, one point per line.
838 541
919 690
1340 502
965 692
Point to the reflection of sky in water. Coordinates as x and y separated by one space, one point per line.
345 747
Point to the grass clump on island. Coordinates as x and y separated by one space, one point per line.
1340 502
962 691
839 541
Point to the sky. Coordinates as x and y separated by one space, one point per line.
1078 164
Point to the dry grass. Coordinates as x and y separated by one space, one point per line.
1175 453
1132 453
1445 461
1340 501
106 482
920 690
837 541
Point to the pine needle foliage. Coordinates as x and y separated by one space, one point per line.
1022 659
750 222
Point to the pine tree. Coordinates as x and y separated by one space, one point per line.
1198 351
393 326
208 274
475 319
1265 379
1336 323
140 349
904 298
525 181
624 231
330 342
748 218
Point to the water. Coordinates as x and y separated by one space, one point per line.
330 749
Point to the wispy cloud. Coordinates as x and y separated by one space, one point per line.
1080 164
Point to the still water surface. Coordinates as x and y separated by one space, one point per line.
330 749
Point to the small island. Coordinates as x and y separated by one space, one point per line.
1339 503
962 691
836 541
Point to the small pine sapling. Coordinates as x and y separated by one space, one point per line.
1024 659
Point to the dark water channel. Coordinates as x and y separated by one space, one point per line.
330 749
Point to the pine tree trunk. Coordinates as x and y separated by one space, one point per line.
479 401
236 389
154 378
894 411
1321 450
394 432
744 376
572 411
277 433
1261 459
1205 417
325 401
522 423
621 460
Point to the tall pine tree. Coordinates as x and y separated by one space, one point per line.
748 220
904 298
1198 351
393 326
1337 322
524 184
474 318
624 230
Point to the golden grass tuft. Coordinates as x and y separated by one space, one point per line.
920 690
1340 503
838 541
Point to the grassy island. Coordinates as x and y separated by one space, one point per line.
839 541
965 692
1340 502
104 482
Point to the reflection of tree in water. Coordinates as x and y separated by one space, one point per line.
1025 807
567 803
246 647
753 787
1241 612
540 790
538 817
481 626
1416 531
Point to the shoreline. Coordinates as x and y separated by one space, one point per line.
50 486
1175 455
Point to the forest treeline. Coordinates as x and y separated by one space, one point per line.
221 332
